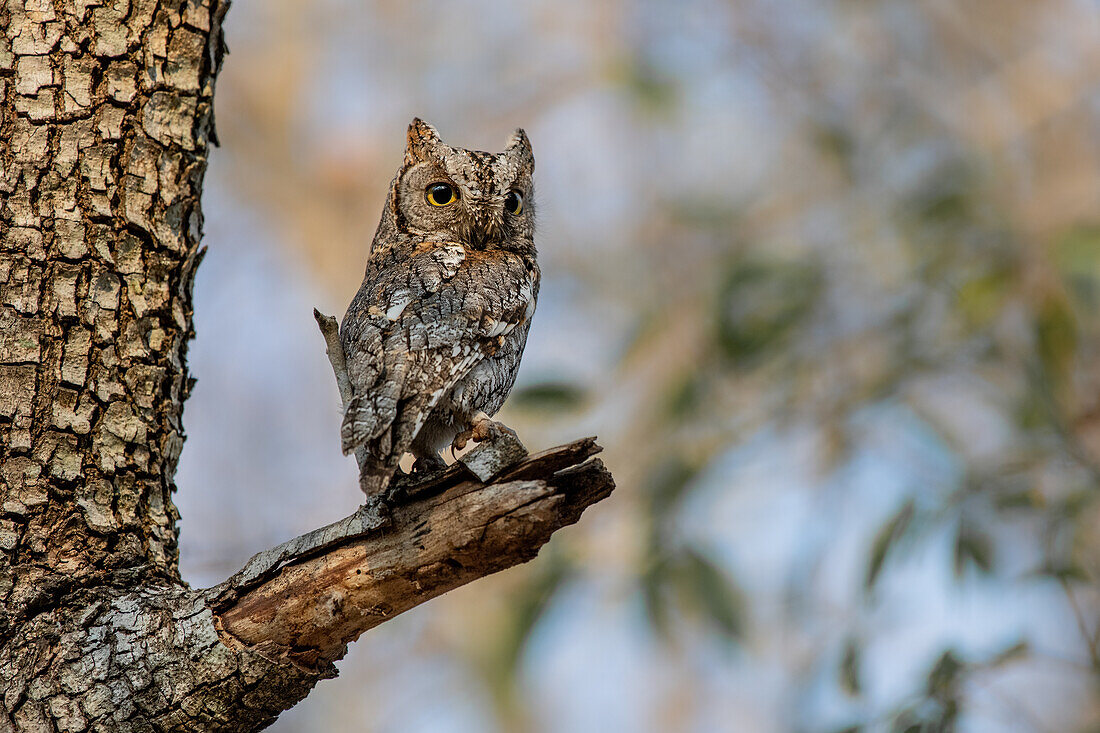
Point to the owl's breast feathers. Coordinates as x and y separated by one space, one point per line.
424 318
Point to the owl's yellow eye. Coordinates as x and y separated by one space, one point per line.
513 202
441 194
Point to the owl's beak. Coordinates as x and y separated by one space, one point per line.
486 228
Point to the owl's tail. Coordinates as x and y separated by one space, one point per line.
359 435
360 424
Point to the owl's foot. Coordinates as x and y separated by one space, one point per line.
429 463
498 447
483 428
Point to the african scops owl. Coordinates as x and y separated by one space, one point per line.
434 336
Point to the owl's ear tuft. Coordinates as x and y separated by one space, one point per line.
421 140
518 144
519 141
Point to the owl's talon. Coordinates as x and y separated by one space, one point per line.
427 464
483 428
462 439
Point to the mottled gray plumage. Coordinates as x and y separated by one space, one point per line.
434 336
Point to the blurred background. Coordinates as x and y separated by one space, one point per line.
822 275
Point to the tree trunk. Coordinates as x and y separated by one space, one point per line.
105 123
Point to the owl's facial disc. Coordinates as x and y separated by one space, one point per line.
468 208
480 199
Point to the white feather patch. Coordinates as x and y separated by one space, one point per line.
449 257
397 306
527 295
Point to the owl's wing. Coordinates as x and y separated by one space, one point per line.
388 414
415 330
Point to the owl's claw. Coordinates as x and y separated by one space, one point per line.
481 429
498 448
429 463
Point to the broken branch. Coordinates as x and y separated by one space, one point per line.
305 600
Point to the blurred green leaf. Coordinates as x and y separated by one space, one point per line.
1033 409
1027 499
548 397
654 90
760 303
943 677
1076 502
667 483
695 583
1011 654
944 205
981 299
1056 336
685 398
664 488
907 722
653 582
715 213
886 538
1065 571
1078 259
530 604
973 545
712 593
945 197
932 717
849 668
837 142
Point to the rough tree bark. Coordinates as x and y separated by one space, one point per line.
105 122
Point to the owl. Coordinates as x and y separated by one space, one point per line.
434 336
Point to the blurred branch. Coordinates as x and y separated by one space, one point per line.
1089 638
303 601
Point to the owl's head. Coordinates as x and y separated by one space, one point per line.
483 200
